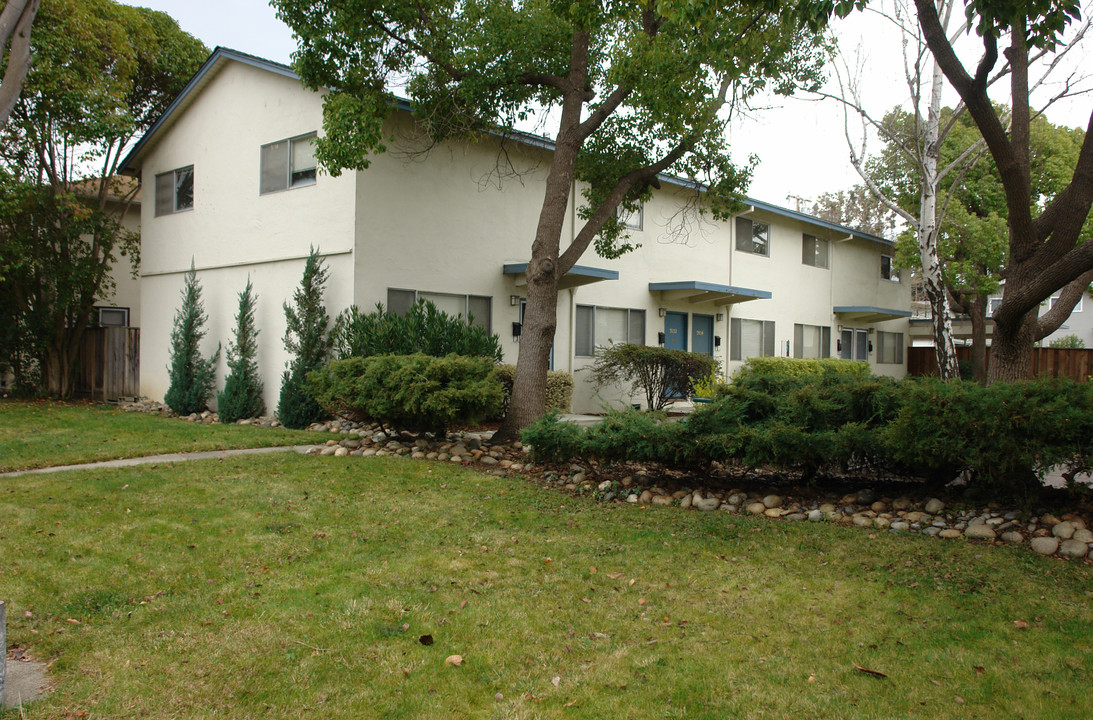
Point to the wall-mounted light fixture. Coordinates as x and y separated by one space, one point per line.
719 317
517 328
514 300
662 312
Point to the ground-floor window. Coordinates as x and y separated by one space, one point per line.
474 307
811 341
600 326
854 344
889 348
750 338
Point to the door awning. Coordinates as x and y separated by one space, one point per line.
869 313
696 291
577 275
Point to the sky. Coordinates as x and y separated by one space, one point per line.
800 142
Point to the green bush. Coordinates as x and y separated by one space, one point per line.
307 340
660 372
802 368
559 388
552 440
242 394
410 392
423 329
191 376
626 435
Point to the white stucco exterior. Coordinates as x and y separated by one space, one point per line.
448 222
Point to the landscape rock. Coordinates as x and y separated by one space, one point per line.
1073 548
981 531
1045 545
1063 530
772 501
934 506
756 508
1013 537
949 533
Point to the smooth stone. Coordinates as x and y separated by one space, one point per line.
757 508
602 487
707 504
796 516
826 508
329 450
1045 545
882 523
977 521
914 516
685 501
772 501
1074 548
1063 530
1049 519
816 515
1013 537
879 506
862 521
662 500
1084 535
341 452
934 506
736 499
773 512
980 532
487 460
900 525
901 503
931 531
949 533
579 478
646 497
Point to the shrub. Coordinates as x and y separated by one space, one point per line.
802 368
242 394
307 340
1072 342
411 392
191 376
552 440
660 372
423 329
559 388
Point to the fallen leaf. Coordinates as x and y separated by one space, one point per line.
462 604
586 600
405 627
73 621
959 700
641 601
556 681
615 576
811 677
592 569
571 703
935 682
867 670
456 660
1021 624
547 562
425 639
979 670
633 580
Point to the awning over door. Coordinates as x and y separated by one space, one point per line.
869 313
696 291
577 275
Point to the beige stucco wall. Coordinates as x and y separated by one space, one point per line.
232 232
127 286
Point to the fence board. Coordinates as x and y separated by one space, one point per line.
1073 363
108 364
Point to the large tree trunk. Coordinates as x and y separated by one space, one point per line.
977 312
1011 349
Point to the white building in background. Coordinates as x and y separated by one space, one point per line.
231 185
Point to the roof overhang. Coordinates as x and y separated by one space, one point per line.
869 313
696 291
578 275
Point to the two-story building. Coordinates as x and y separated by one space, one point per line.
231 185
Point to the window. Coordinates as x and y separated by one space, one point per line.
601 326
288 164
814 251
889 348
1054 298
752 237
750 338
175 191
811 341
854 344
886 270
474 307
113 317
632 220
995 302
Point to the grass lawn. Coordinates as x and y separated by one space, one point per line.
303 587
41 434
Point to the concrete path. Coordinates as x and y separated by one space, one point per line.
24 683
153 459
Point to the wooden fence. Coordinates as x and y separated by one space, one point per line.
108 365
1056 362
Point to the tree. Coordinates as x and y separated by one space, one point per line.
1045 255
191 375
634 88
15 22
242 394
307 337
63 203
857 208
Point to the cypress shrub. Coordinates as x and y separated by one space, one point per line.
423 329
306 338
191 376
242 394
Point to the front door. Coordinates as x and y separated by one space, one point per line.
702 334
675 331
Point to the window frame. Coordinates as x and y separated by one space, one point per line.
591 343
897 343
627 219
100 309
290 184
893 274
467 297
767 342
1077 308
810 258
745 237
798 340
174 190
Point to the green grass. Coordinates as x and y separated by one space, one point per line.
42 434
299 587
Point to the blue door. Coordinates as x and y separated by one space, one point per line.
675 331
702 334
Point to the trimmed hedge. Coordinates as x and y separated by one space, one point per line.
409 392
1003 436
559 388
801 368
423 329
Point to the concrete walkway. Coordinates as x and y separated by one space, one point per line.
153 459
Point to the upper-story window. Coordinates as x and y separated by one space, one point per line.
175 191
631 220
886 270
814 251
1055 298
288 164
752 237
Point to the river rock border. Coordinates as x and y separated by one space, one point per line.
1067 535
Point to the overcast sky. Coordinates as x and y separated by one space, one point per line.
800 143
